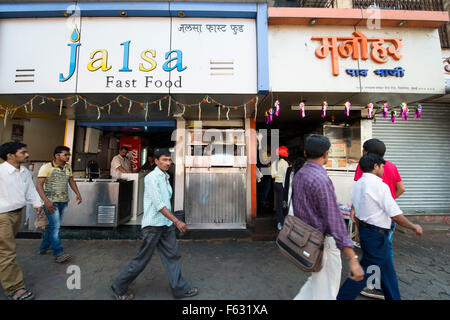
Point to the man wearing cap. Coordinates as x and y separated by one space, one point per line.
278 171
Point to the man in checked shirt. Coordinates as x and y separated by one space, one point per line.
315 203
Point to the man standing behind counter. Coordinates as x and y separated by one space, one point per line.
120 164
158 231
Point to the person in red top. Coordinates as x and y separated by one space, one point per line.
392 178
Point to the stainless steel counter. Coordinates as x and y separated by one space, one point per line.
106 203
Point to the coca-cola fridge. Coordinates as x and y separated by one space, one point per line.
133 143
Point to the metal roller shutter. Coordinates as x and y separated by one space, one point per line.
421 151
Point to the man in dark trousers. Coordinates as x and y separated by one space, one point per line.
392 178
158 230
374 207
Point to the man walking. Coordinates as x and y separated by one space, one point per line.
158 232
16 191
52 186
392 178
374 207
315 203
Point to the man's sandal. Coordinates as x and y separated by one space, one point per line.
26 295
126 296
190 293
63 258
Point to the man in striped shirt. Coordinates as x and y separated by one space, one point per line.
158 229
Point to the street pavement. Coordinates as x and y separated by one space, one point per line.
223 269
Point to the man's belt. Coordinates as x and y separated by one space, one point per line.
374 228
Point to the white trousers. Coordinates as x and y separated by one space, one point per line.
324 285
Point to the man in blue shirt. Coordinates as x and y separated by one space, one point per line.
158 229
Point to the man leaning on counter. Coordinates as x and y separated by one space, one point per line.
120 164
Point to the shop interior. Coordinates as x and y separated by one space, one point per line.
96 144
343 132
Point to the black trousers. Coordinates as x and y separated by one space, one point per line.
279 195
164 239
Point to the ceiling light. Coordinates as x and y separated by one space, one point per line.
313 21
181 14
401 23
123 13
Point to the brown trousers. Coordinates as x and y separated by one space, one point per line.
11 277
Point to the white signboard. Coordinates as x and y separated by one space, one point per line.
129 55
345 59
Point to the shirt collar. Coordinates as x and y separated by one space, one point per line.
314 164
160 172
54 165
369 175
11 169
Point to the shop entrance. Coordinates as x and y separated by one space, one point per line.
96 144
290 131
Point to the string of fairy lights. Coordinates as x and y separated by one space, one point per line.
168 101
124 102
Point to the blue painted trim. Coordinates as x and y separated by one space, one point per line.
34 10
169 124
133 9
262 44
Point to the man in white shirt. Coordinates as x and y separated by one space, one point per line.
16 191
374 207
120 164
278 172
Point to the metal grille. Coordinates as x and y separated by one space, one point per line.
421 151
216 200
106 214
420 5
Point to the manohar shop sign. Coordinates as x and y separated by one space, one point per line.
345 59
132 55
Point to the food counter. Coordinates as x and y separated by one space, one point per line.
106 203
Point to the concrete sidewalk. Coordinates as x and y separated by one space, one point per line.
222 269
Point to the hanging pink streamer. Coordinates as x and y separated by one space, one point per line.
418 112
404 111
347 108
277 108
393 116
370 107
302 109
385 110
324 109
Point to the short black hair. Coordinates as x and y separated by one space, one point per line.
316 145
299 162
60 149
367 163
10 147
375 146
123 148
161 152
